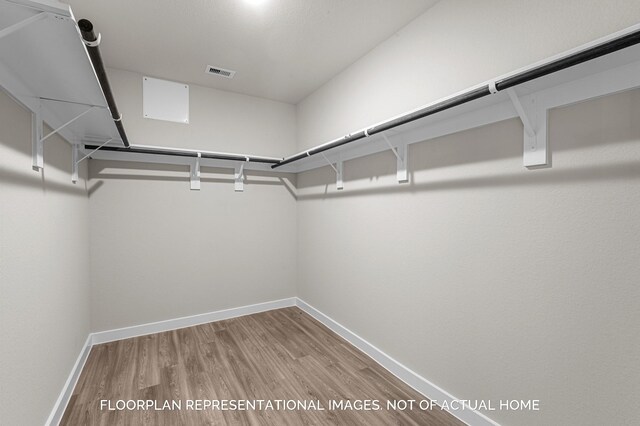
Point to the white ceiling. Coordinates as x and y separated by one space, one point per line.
281 49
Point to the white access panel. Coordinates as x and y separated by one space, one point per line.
165 100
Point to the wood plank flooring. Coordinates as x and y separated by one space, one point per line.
278 355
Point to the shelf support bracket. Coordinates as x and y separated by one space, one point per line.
194 174
94 151
528 129
74 162
339 180
19 25
82 114
401 159
37 147
37 138
338 169
238 176
534 121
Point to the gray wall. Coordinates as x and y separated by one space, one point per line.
218 120
160 251
490 280
44 270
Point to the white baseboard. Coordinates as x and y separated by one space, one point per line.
150 328
65 395
417 382
173 324
411 378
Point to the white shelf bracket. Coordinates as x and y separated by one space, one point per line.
74 162
528 128
238 176
77 117
37 147
401 159
338 169
339 180
93 152
194 174
19 25
534 121
37 138
402 174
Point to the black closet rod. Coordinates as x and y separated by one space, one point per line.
136 149
92 42
471 95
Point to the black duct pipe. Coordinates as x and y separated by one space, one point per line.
506 83
178 153
89 38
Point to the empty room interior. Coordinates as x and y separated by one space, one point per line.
320 212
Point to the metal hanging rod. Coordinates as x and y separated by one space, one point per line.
551 67
156 150
92 42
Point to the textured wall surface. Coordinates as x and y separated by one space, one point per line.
218 120
44 270
160 251
490 280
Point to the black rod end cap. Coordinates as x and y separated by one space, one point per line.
85 25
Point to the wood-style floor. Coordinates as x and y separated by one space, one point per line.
278 355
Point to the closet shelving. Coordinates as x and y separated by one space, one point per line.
48 67
44 66
605 66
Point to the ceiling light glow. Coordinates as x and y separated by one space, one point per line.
255 2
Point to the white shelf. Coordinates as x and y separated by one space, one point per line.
608 74
46 59
45 66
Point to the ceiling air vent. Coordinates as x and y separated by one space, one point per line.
220 71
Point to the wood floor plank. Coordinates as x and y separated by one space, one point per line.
147 371
280 355
326 344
